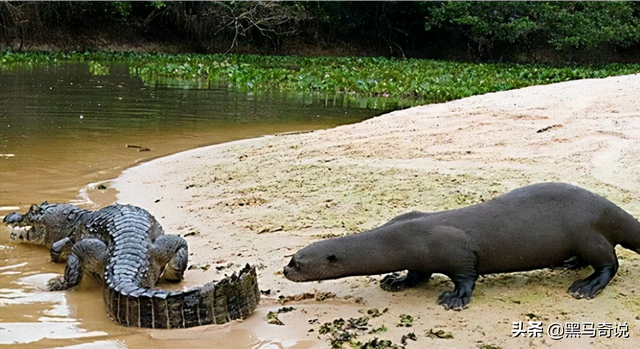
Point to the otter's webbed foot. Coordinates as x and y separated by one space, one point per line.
460 297
594 283
395 282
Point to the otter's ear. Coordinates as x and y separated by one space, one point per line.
332 258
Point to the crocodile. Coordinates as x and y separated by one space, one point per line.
125 249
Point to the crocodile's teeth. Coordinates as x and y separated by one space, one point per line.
19 233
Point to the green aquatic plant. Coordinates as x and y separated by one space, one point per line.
372 82
340 333
97 68
405 320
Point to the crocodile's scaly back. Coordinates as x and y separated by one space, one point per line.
125 247
132 232
129 297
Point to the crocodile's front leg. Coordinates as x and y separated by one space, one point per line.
58 247
172 251
89 254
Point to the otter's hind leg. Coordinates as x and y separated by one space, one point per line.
602 257
394 282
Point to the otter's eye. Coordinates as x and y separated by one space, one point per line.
293 264
332 258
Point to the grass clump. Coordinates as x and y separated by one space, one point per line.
341 332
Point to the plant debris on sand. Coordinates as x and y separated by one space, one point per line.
444 156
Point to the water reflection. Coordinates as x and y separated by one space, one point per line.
30 313
63 127
14 333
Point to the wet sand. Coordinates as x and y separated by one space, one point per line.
260 200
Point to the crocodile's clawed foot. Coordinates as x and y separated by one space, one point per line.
57 284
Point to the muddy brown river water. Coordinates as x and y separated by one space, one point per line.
63 131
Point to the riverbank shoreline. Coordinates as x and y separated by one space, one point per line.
260 200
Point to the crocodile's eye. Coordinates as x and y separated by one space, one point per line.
332 258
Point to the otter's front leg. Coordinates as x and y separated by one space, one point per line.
393 282
461 295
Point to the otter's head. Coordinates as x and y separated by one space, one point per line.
319 261
42 225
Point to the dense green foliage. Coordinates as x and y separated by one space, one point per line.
567 27
385 83
515 31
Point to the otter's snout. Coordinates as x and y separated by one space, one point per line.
292 270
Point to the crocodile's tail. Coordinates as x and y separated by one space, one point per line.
231 298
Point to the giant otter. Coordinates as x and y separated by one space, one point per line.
537 226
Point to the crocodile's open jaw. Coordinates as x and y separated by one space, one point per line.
20 233
29 227
19 228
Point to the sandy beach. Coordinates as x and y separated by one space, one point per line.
258 201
